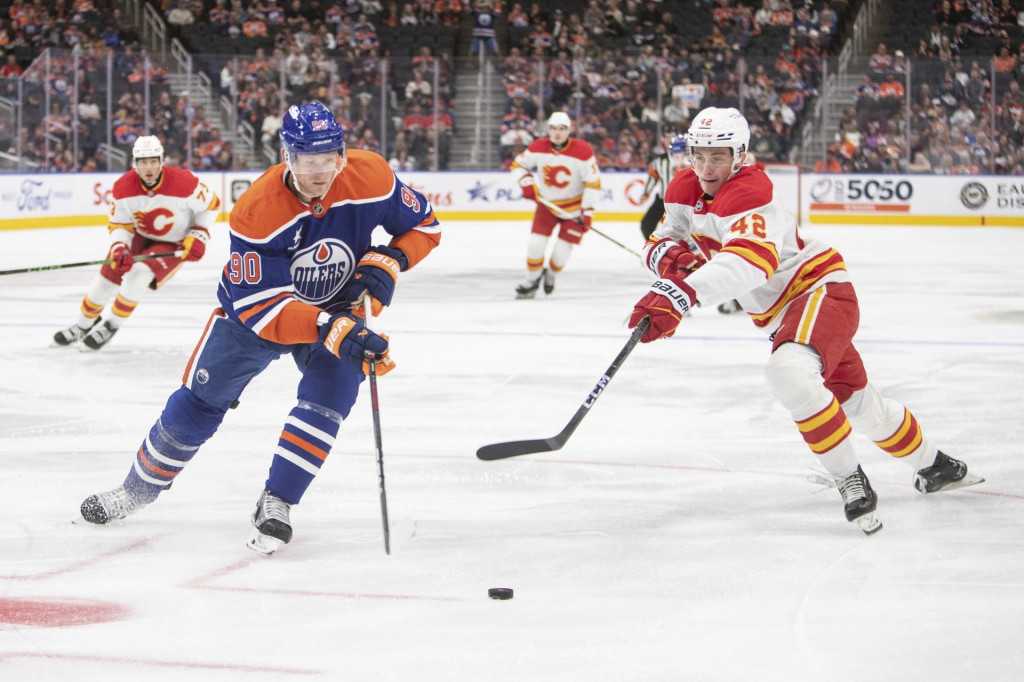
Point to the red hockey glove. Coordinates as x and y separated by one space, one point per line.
530 192
668 300
587 218
668 257
194 243
122 257
349 340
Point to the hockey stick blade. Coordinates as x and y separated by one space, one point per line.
521 447
516 448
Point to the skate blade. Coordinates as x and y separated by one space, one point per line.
264 545
968 480
869 523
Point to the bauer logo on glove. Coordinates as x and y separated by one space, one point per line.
665 304
375 276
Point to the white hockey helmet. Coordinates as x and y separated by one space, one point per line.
559 118
146 147
716 127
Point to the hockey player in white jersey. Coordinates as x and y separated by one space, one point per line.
154 210
725 237
560 174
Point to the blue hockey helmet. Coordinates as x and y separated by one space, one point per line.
677 145
311 129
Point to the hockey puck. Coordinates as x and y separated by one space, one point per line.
500 593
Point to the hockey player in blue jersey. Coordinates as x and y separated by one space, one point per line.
301 262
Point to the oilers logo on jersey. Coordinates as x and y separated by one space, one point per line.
320 270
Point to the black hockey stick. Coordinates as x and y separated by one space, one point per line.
38 268
371 361
525 447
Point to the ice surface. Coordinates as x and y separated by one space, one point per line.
675 537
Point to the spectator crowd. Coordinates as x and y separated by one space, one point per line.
947 101
629 72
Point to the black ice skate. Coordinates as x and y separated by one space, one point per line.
110 506
861 501
99 336
945 473
272 524
73 334
549 281
528 289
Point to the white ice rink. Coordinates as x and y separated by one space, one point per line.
674 538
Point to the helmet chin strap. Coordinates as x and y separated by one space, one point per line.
737 164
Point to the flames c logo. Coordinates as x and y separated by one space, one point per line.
156 223
551 176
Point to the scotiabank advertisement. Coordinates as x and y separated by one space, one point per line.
80 199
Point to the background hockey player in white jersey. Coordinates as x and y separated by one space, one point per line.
725 237
560 173
154 210
302 258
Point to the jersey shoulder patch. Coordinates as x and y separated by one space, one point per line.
745 191
684 188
